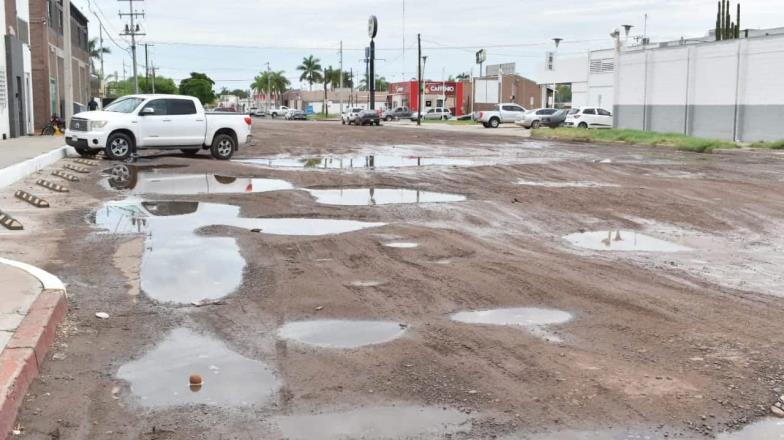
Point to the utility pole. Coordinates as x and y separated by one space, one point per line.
133 30
419 79
341 77
153 78
68 73
372 32
100 41
146 64
269 86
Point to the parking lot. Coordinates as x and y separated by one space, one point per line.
325 283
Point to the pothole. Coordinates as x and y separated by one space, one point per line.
141 181
162 377
401 244
377 422
380 196
357 161
180 266
534 320
341 333
620 240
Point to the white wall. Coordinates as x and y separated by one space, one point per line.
5 126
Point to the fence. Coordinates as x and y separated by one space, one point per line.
726 89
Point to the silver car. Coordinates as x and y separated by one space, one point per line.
542 117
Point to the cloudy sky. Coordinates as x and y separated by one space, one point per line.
232 40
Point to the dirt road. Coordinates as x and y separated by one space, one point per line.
648 285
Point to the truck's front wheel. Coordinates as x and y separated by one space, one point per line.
223 147
118 146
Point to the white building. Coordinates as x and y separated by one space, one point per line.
591 77
16 93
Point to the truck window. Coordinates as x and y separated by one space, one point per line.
181 107
159 105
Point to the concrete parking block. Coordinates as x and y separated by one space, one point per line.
10 222
89 163
82 170
31 199
67 176
51 185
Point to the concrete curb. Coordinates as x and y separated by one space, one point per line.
19 171
22 358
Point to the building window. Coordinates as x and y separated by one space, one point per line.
605 65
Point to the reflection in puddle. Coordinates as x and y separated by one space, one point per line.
768 429
180 266
365 283
402 245
140 181
531 318
380 196
341 333
584 184
622 241
348 162
161 377
380 422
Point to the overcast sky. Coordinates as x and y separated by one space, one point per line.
232 40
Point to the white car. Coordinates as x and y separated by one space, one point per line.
437 113
505 113
542 117
278 111
589 117
255 111
349 116
157 122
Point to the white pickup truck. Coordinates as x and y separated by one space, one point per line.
278 111
505 113
157 122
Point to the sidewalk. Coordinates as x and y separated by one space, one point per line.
31 305
22 156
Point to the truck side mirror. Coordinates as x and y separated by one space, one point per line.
147 111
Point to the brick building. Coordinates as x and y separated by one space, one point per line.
48 58
514 88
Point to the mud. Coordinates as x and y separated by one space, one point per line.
688 341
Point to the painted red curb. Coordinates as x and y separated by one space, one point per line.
22 358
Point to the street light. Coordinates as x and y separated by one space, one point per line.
557 42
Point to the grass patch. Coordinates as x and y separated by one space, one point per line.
321 117
635 137
777 145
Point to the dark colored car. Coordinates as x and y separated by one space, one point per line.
368 117
297 115
397 113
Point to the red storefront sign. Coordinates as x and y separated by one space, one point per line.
432 90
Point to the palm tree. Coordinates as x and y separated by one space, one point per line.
95 52
311 70
271 82
463 76
382 84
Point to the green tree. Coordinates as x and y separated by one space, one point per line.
200 86
382 85
463 76
271 82
162 85
242 94
563 93
311 71
95 52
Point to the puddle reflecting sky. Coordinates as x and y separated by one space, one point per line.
181 266
380 196
160 378
380 422
622 241
402 245
341 333
148 181
533 319
360 161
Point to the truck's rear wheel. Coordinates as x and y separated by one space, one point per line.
118 146
495 122
190 151
223 147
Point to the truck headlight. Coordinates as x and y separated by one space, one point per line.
97 124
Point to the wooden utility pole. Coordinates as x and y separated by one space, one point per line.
419 79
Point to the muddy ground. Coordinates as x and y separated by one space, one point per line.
684 344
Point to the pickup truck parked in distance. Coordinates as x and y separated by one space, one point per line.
157 122
397 113
505 113
278 111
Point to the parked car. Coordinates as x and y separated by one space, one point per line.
296 115
255 111
397 113
277 111
157 122
542 117
350 115
505 113
437 113
368 117
589 117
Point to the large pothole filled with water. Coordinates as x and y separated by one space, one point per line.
162 377
380 196
534 320
335 333
181 266
621 240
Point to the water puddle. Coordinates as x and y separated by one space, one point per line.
162 377
180 266
768 429
402 245
377 423
622 241
359 161
139 180
579 184
380 196
365 283
342 333
534 320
